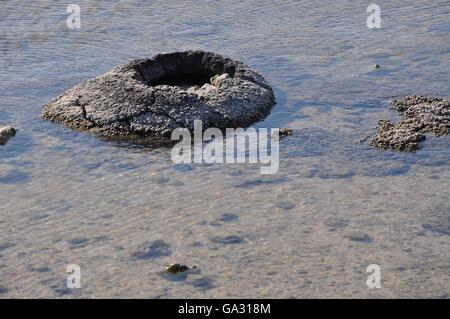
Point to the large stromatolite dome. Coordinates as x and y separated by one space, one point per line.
151 97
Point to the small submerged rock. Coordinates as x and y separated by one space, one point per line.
6 133
422 115
177 268
283 132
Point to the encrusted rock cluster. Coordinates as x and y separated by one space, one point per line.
422 115
152 97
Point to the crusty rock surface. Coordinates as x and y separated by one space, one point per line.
422 115
6 133
176 268
282 133
152 97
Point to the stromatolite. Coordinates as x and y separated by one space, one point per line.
422 115
152 97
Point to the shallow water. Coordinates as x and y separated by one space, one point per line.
334 207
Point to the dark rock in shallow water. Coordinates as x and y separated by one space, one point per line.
6 133
152 97
423 115
399 137
283 132
177 268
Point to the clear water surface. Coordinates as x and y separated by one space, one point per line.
311 230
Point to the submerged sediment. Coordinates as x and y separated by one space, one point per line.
152 97
422 115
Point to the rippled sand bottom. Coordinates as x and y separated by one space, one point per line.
310 231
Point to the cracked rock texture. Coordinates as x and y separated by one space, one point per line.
152 97
422 115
